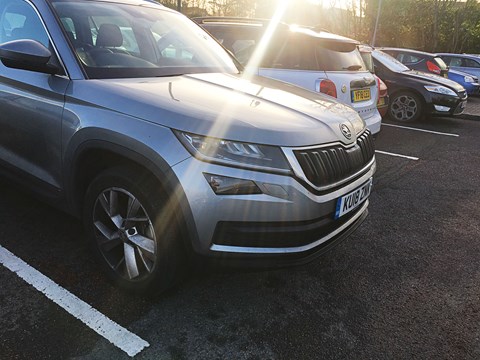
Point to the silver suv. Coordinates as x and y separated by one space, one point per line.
129 116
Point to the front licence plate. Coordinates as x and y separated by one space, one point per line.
352 200
361 95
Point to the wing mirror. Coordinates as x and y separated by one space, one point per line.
27 54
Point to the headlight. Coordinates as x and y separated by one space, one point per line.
440 90
469 79
235 153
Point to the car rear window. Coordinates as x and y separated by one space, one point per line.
300 52
288 50
337 56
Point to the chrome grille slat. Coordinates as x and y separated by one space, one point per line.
326 166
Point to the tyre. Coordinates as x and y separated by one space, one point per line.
133 230
405 107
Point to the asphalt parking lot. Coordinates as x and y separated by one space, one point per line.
405 285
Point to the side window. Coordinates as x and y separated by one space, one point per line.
69 28
20 21
446 59
471 63
408 58
455 61
113 32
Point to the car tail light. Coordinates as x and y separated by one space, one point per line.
433 68
328 87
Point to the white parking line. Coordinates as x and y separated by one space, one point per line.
422 130
397 155
117 335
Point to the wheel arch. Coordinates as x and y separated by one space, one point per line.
408 90
86 159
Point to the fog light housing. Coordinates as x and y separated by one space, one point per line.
224 185
441 108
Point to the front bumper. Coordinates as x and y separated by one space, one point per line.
472 88
289 219
447 105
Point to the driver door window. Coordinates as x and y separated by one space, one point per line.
20 21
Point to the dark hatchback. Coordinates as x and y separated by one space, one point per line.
414 94
419 60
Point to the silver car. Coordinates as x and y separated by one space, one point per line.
129 116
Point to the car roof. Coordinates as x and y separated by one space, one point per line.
407 50
470 56
254 22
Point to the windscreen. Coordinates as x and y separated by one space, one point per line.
117 40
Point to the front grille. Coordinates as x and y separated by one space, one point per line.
462 94
327 166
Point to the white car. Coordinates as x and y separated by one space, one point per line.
316 60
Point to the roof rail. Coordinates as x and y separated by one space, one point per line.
233 19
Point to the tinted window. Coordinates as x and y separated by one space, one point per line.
471 63
453 61
389 61
300 52
240 40
406 58
337 56
290 52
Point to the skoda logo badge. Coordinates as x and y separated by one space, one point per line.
344 88
346 131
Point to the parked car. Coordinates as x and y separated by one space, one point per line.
468 81
469 64
316 60
427 62
164 148
415 93
418 60
382 102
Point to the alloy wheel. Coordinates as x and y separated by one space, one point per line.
404 108
125 234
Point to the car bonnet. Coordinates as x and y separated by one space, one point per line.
436 79
225 106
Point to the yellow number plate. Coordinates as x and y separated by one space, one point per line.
361 95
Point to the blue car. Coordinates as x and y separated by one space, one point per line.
467 63
469 82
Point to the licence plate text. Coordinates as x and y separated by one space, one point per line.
352 200
361 95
